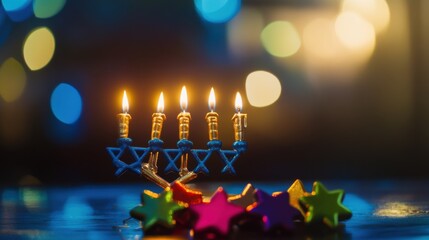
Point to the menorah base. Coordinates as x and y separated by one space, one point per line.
183 150
153 177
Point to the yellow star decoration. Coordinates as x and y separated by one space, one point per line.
325 206
296 191
157 208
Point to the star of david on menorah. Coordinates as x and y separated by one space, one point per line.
184 150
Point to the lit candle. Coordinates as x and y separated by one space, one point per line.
184 119
212 117
157 120
239 119
124 118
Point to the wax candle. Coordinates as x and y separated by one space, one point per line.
212 117
124 117
184 117
239 119
158 118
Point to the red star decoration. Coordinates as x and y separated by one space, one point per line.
183 194
275 210
216 214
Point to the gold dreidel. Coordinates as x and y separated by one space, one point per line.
157 120
184 119
124 118
239 119
212 117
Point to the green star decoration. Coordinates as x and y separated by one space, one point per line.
156 209
325 206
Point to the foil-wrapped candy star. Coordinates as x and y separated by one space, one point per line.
325 206
183 194
156 209
275 210
216 214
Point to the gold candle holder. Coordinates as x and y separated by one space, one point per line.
124 117
212 121
124 122
184 122
149 174
212 117
158 119
239 119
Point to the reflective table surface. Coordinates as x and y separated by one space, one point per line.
381 210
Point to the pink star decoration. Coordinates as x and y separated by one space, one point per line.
275 210
217 213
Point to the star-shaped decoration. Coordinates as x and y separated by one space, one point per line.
275 210
245 198
117 152
216 214
296 191
325 206
156 208
183 194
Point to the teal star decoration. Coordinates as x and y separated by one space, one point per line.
156 209
325 206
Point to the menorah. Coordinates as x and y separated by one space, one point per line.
149 169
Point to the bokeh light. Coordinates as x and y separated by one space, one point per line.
39 48
77 208
217 11
397 209
66 103
244 31
320 40
18 10
377 12
281 39
33 198
354 31
328 58
47 8
262 88
12 80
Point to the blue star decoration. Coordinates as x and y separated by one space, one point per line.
156 209
138 154
276 211
325 206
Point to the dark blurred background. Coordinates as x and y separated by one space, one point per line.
332 89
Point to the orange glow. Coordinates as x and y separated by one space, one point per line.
238 102
184 99
125 106
160 107
212 100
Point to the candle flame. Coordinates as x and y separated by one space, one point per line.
212 100
160 107
238 102
125 106
183 99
